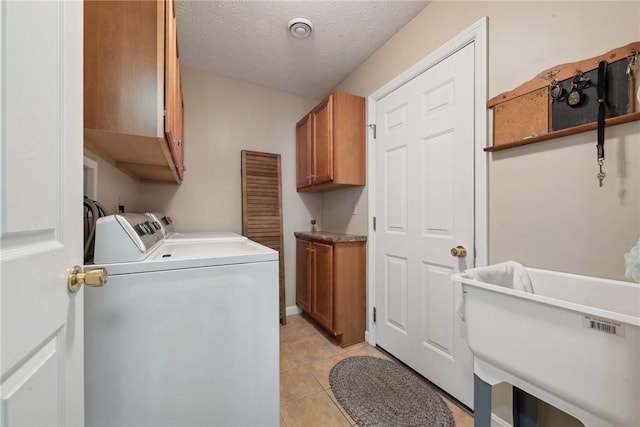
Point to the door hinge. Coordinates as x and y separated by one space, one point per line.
374 223
372 127
374 315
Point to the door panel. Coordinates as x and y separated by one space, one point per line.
323 142
322 309
424 207
396 293
303 282
438 294
41 229
41 386
437 166
396 189
303 152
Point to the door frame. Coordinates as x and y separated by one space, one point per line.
478 35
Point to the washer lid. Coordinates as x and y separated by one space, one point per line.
194 236
210 249
186 255
166 224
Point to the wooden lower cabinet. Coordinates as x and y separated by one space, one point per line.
331 286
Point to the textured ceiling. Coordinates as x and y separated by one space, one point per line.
249 40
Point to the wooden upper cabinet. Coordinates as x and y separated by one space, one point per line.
125 97
330 143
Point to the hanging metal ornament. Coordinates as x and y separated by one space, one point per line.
557 92
580 82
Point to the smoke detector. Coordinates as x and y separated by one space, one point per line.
300 28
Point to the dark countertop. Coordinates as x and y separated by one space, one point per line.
327 236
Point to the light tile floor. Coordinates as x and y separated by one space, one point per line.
307 355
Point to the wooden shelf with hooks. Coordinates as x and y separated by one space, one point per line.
525 114
565 132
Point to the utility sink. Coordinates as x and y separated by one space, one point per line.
574 342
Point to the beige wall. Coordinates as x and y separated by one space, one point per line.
545 207
222 117
115 187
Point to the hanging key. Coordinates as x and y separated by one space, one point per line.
631 58
601 175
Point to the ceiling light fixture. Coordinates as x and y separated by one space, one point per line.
300 28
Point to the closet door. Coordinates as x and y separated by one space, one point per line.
262 207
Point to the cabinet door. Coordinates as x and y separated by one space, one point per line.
125 44
303 152
123 67
172 88
322 291
322 168
303 270
169 71
179 114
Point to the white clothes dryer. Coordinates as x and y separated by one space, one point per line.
182 334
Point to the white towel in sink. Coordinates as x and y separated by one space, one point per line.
509 274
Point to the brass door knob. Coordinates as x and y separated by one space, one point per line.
94 278
459 251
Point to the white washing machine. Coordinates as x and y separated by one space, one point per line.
182 334
166 227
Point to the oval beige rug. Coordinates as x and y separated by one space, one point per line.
378 392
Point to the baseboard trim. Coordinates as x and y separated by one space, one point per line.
496 421
367 338
293 310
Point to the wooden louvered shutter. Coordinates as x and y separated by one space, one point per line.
262 207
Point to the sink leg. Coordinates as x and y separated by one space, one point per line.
525 409
481 403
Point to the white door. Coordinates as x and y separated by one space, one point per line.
424 205
41 216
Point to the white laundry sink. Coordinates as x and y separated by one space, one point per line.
574 342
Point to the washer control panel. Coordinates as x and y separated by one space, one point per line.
125 237
164 221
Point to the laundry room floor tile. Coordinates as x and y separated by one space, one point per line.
297 383
315 410
307 355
